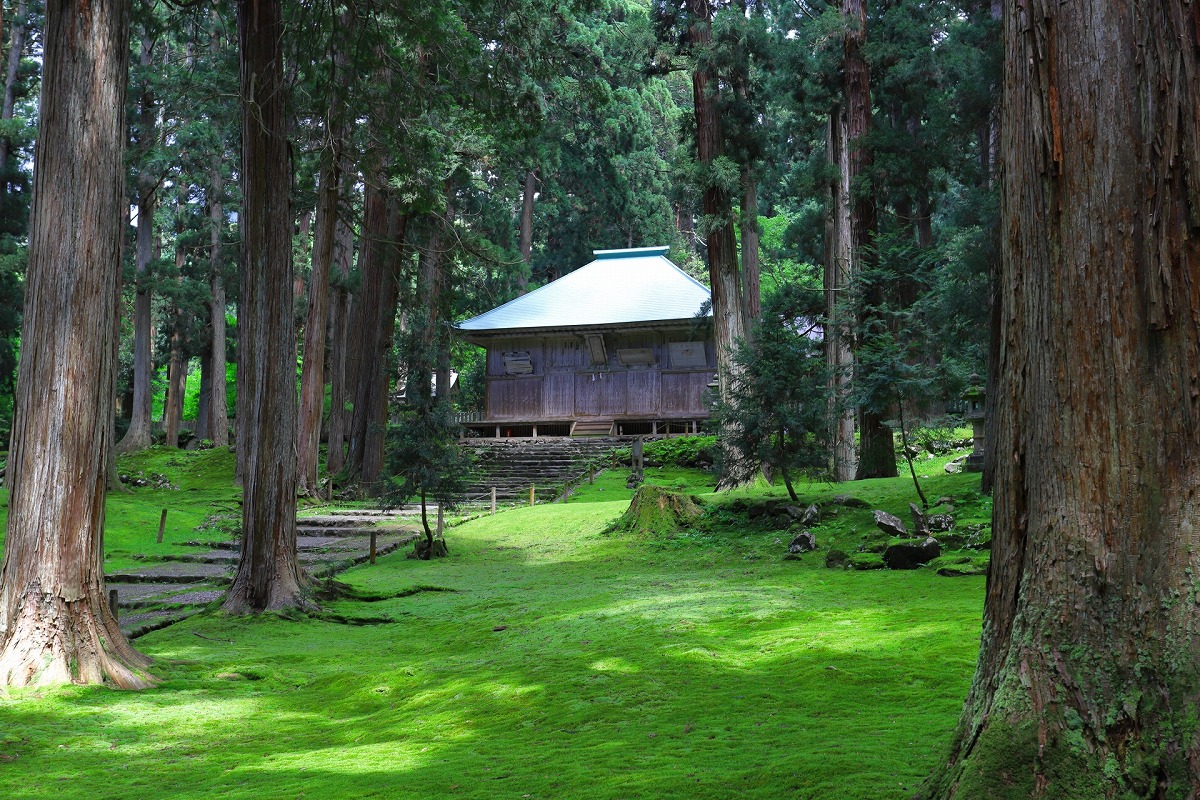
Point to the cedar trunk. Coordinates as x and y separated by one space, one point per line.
526 233
1089 671
55 625
139 436
839 270
721 241
218 402
268 575
877 457
312 377
339 339
374 323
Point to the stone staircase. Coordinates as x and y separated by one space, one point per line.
165 592
511 466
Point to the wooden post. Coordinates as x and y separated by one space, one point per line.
532 488
112 602
493 499
162 525
591 473
535 430
373 532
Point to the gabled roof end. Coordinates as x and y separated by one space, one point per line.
632 252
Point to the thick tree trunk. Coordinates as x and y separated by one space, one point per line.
268 574
218 403
991 409
339 339
839 271
312 376
528 191
728 323
55 625
374 325
138 436
877 457
1089 671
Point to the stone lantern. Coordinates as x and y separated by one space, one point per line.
975 395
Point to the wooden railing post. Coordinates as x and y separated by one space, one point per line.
493 499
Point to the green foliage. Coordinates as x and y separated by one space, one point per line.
777 411
683 451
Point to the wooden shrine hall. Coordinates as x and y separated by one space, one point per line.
617 347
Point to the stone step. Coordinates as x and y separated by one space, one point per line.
175 572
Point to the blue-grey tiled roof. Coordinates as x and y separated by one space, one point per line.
620 286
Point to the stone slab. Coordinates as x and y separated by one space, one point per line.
135 625
175 572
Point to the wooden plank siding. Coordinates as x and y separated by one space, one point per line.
566 385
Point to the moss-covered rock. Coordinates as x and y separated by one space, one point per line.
836 559
864 561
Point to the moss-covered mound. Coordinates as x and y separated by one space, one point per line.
656 511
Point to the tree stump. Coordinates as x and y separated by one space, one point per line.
658 511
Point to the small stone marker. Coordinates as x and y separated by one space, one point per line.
162 525
493 499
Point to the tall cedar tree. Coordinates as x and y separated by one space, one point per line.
876 458
268 574
1089 672
721 241
138 436
55 623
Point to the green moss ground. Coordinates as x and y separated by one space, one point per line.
562 663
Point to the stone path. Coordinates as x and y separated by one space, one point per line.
165 592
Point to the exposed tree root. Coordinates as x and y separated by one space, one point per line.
52 641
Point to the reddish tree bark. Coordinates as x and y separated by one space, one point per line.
1089 672
839 269
138 436
339 339
372 328
529 189
268 574
721 241
312 376
877 455
55 625
217 407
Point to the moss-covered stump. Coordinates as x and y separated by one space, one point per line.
656 511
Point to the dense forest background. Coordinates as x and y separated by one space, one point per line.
447 158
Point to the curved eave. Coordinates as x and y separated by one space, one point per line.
481 337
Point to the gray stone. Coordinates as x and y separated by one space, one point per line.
812 515
920 526
940 522
911 554
803 543
890 524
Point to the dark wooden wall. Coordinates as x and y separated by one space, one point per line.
566 385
